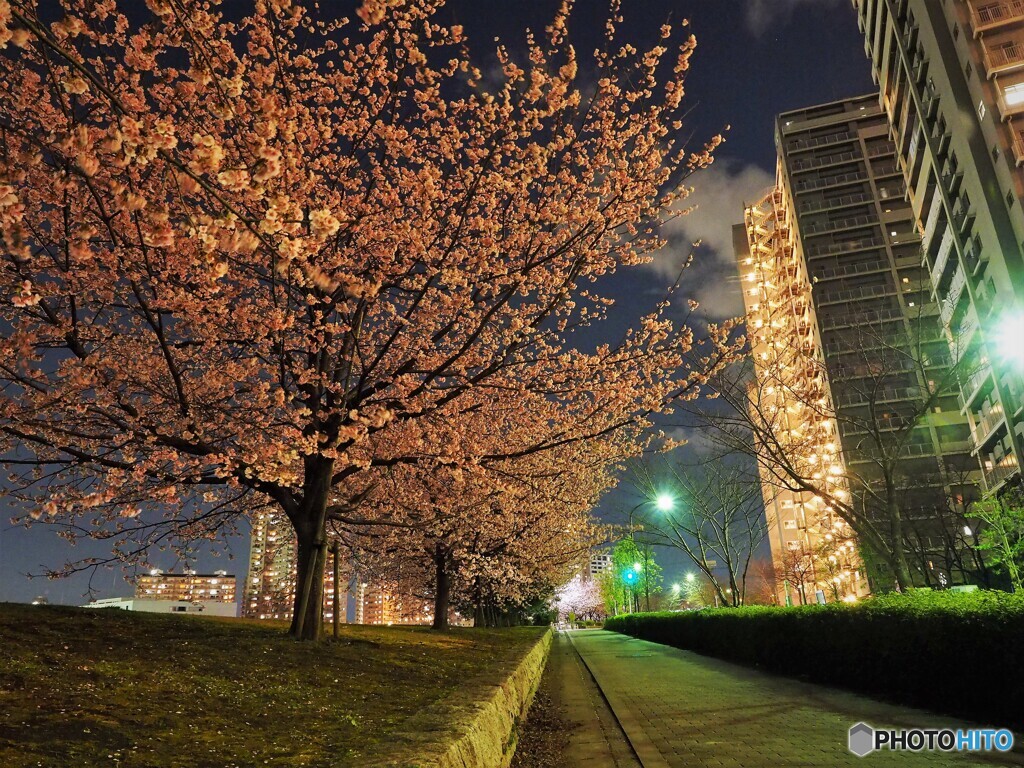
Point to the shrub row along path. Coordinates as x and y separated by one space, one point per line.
678 708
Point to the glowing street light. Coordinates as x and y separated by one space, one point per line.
675 589
637 567
690 577
664 502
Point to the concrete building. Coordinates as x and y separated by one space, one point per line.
162 605
842 323
599 563
951 78
218 587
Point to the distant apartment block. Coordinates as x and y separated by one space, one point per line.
270 584
951 77
219 587
599 563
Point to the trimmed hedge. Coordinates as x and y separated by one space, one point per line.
960 654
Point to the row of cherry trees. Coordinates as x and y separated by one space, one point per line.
323 264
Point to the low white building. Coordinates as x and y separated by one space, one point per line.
192 607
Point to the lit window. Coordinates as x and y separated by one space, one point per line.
1013 95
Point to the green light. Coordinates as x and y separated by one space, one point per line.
1010 338
690 577
637 567
665 503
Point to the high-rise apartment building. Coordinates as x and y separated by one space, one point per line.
270 585
786 350
848 354
951 77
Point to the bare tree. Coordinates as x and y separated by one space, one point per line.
718 519
867 433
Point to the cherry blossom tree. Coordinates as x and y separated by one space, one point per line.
493 535
580 598
260 261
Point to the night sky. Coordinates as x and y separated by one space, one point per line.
755 58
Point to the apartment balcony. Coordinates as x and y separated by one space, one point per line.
993 15
1004 57
987 426
846 246
838 202
821 141
956 446
976 383
830 181
1017 130
886 169
956 287
942 259
997 473
848 270
854 294
888 148
867 317
963 215
838 224
930 99
819 162
1010 98
934 220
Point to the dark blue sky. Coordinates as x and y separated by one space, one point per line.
755 58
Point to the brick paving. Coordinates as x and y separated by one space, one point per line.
682 709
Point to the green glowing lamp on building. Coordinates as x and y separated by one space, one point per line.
1010 338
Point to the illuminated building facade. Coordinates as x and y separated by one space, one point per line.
270 585
787 354
382 606
842 321
217 587
951 77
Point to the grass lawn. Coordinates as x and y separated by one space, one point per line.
86 688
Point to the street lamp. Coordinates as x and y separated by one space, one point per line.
664 502
638 567
690 577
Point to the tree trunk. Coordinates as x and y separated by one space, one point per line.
310 523
442 588
309 585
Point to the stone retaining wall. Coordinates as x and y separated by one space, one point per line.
485 730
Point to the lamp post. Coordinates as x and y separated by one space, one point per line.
663 502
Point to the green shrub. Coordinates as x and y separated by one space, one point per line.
962 654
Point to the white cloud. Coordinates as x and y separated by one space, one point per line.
762 15
718 198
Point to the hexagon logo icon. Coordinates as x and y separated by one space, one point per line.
862 739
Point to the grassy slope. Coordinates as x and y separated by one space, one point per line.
87 688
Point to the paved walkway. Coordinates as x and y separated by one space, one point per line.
681 709
593 737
